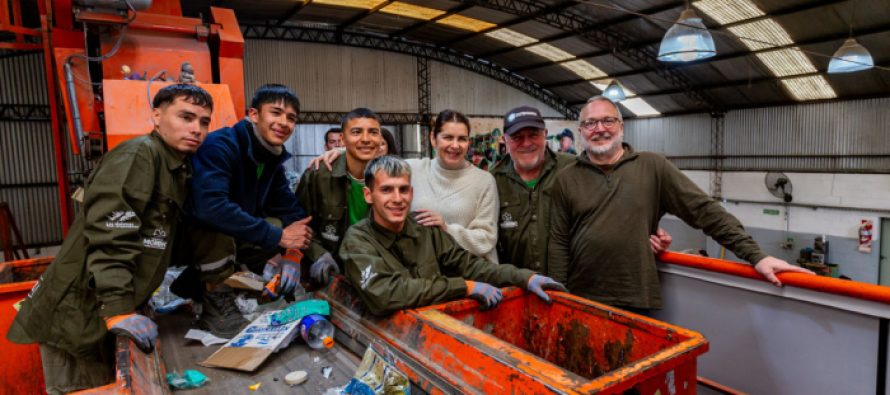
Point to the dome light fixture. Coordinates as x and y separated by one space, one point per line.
687 40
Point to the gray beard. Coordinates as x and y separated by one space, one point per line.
602 150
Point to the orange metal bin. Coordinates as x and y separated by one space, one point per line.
20 369
525 346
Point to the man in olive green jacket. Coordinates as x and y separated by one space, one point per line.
394 263
333 198
524 179
117 250
606 204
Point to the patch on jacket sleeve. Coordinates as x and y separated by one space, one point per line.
121 220
367 275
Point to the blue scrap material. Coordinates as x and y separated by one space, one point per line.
189 379
298 310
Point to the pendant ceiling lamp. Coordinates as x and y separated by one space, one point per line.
850 57
687 40
615 91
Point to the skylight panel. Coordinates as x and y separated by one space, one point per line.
511 37
411 11
550 52
786 62
726 12
584 69
811 87
366 4
765 32
466 23
639 107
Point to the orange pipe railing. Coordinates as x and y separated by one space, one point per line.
853 289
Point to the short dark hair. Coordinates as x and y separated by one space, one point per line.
274 93
190 93
449 116
331 131
391 165
391 148
357 113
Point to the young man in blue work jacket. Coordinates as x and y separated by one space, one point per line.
242 210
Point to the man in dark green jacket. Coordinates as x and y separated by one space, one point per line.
524 179
394 263
606 205
117 250
334 197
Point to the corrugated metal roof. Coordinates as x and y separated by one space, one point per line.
549 41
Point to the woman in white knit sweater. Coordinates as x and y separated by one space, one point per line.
449 192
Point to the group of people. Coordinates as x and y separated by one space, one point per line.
405 233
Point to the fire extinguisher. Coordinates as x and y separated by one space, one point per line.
865 235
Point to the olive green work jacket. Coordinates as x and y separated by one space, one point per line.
417 267
524 217
117 250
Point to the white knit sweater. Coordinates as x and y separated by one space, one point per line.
467 200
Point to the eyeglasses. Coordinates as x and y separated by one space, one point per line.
607 123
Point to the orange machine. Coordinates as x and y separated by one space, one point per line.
103 64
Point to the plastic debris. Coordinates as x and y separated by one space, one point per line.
255 386
298 310
164 301
326 371
375 376
206 338
296 377
245 305
189 379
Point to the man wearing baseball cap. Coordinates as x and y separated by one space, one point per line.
524 178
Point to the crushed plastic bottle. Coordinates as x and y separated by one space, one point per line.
317 331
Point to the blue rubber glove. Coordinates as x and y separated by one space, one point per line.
487 295
324 269
538 283
138 327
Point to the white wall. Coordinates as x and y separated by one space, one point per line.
854 196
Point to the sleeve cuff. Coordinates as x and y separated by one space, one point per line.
756 257
459 286
117 306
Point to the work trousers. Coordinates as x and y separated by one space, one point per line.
211 257
64 373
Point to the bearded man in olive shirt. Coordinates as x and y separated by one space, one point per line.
394 263
524 179
607 204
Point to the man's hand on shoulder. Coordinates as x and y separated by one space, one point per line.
297 235
768 267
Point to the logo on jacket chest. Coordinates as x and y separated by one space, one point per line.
507 221
157 241
330 233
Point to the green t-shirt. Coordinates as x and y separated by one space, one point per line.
531 184
355 202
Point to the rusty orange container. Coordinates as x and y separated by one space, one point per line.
20 369
525 346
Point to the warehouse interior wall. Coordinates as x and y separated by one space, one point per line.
845 200
331 78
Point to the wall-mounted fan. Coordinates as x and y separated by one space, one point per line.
779 185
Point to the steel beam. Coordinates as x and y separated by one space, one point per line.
24 112
429 51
